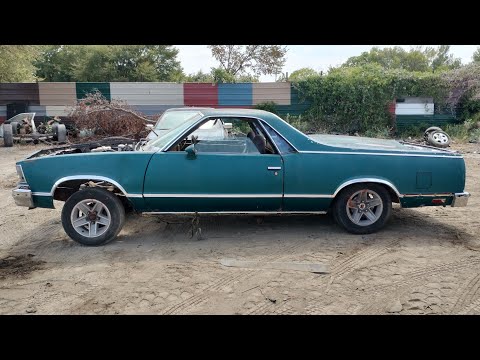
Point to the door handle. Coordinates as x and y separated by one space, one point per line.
274 168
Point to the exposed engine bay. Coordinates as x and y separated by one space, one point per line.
112 144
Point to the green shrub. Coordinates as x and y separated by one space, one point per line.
267 106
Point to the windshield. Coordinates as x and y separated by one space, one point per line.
164 139
171 119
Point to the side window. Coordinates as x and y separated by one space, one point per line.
283 146
238 138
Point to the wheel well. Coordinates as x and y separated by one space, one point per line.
393 194
67 188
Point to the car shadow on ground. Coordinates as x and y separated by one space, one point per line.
147 232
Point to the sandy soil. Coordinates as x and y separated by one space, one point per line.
424 262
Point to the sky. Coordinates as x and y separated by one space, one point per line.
318 57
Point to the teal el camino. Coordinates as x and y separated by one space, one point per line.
261 165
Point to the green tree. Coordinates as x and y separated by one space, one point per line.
109 63
244 59
416 59
302 74
476 55
16 63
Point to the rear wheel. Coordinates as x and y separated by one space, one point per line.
362 208
7 135
93 216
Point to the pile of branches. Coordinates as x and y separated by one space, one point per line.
100 118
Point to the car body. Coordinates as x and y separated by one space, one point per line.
264 166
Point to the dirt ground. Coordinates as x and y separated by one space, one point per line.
426 261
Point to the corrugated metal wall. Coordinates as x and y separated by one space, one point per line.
148 93
3 114
55 99
235 94
57 93
19 92
276 92
90 87
200 94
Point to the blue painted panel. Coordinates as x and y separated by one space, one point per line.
235 94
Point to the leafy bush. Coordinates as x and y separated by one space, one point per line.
270 106
357 98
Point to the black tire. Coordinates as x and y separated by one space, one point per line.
339 208
61 133
429 130
433 128
55 131
14 127
439 139
7 135
114 206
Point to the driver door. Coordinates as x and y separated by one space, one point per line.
228 175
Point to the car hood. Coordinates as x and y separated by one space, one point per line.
365 143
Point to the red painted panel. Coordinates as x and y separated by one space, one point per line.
2 119
200 94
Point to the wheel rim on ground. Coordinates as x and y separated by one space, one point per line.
364 207
440 138
90 218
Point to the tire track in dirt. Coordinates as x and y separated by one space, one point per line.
197 299
357 260
414 276
467 294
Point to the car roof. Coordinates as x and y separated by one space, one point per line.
192 108
235 112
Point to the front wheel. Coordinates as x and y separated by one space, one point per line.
93 216
362 208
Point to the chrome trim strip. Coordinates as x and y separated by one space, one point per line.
222 196
378 154
428 195
88 177
362 180
41 194
309 196
234 212
134 195
274 168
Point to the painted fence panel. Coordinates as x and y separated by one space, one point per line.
39 110
143 93
19 92
235 94
57 93
90 87
200 94
54 110
153 109
278 92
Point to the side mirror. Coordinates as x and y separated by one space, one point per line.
149 127
191 152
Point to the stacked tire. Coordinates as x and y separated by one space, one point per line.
435 136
